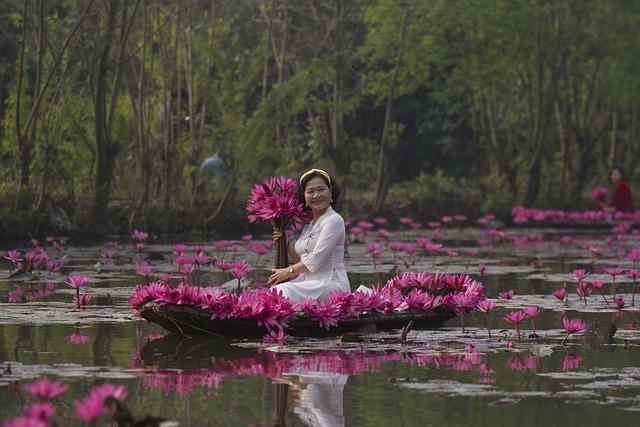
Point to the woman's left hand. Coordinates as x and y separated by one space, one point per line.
279 275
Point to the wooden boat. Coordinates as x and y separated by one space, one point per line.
192 321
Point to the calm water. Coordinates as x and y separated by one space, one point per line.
442 376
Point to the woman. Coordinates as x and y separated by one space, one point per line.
622 200
318 255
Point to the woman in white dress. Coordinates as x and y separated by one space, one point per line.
318 255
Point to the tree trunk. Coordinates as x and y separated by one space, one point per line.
382 180
340 154
106 98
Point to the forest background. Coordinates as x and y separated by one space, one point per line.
420 108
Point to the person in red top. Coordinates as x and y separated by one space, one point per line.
622 200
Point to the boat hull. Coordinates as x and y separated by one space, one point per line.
192 321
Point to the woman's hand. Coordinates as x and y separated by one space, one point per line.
277 234
607 208
279 275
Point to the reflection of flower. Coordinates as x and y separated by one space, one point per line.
275 365
571 361
78 338
275 338
517 363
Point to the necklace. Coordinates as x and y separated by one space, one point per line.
312 227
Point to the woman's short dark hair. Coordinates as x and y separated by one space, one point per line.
336 190
620 169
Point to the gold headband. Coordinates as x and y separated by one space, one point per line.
320 171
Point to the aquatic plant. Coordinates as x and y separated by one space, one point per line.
633 275
487 306
374 252
532 312
515 318
613 272
584 290
45 389
598 285
507 294
77 283
572 326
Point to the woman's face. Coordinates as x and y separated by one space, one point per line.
615 176
317 194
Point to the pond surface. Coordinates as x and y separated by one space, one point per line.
438 376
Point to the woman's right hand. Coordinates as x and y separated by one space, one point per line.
277 234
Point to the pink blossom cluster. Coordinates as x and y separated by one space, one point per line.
267 306
411 291
275 198
45 391
38 260
598 194
523 215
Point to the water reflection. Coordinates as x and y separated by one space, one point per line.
308 385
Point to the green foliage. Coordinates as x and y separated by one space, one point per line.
485 95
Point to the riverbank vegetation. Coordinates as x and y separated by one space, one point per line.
110 107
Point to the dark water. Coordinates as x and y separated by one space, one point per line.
439 376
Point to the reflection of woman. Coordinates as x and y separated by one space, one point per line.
622 200
320 399
318 255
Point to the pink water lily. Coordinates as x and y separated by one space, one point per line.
139 235
83 300
579 274
598 285
532 312
13 256
584 290
77 282
633 275
275 198
560 293
486 306
45 389
515 318
145 271
461 304
572 326
507 295
613 272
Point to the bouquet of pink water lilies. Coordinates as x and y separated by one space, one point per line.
275 201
